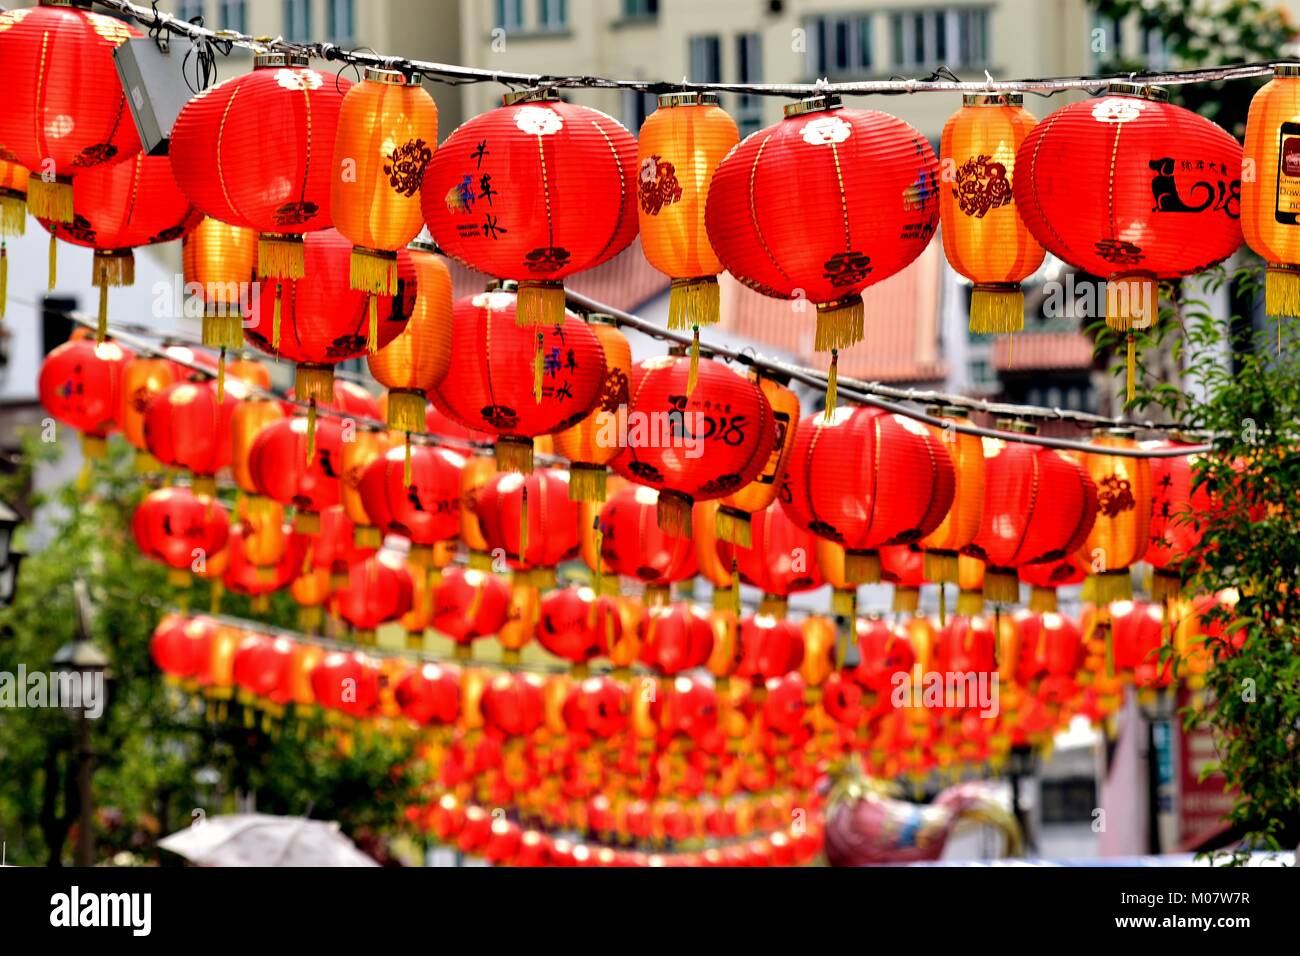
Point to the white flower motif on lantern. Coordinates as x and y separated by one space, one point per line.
1118 109
538 121
826 131
299 79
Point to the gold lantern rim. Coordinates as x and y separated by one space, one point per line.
1157 94
695 98
993 99
265 61
680 350
1286 69
390 77
814 104
601 318
537 94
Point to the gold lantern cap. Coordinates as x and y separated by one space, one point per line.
538 94
813 104
1024 428
1286 69
601 318
993 99
1113 432
391 77
424 245
1157 94
953 411
680 350
697 98
266 61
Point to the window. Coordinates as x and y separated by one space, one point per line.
510 14
189 9
233 16
640 9
934 38
749 69
340 20
552 14
839 46
705 59
636 107
297 20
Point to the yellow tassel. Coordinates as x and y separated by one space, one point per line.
214 600
1132 302
735 588
599 540
372 343
523 524
311 433
997 307
281 256
54 262
832 387
1282 291
839 324
514 454
733 527
373 270
943 604
1001 586
693 302
841 602
13 213
275 316
540 303
906 600
537 370
862 567
4 276
1011 351
50 200
1132 367
406 465
853 621
1042 600
223 330
941 566
101 331
673 514
693 373
586 482
406 410
221 377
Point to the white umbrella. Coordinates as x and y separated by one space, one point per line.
259 839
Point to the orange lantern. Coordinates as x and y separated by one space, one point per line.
983 236
142 378
678 150
1121 534
962 522
418 359
219 262
479 469
844 590
521 622
387 132
717 568
735 510
587 444
367 445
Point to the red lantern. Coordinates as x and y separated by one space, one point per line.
885 651
1137 630
512 704
117 207
430 694
257 151
597 706
1178 504
783 705
531 520
262 665
379 590
180 529
633 545
181 647
81 386
187 426
425 509
1050 646
350 401
896 491
578 626
1045 578
280 468
966 646
675 638
470 604
535 190
904 568
1168 188
781 559
822 205
693 437
65 111
687 707
332 548
347 682
318 320
257 581
515 382
1039 506
769 647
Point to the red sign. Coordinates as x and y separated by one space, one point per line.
1202 804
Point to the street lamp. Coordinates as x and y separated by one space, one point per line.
87 666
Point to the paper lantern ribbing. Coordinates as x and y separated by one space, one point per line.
531 520
535 190
633 544
387 132
429 694
587 444
823 204
281 470
413 363
426 510
983 236
81 386
678 149
117 207
379 589
693 443
245 576
734 511
220 263
188 427
65 111
142 378
470 604
675 638
1270 199
1122 532
962 522
780 561
577 625
865 479
1039 506
1170 181
180 529
1178 505
319 320
496 379
281 188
